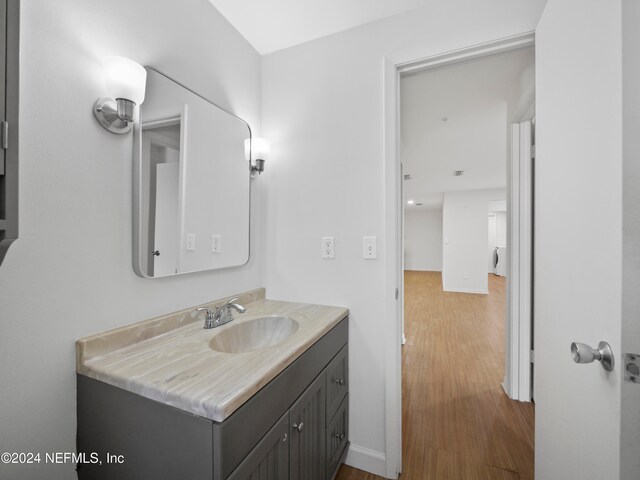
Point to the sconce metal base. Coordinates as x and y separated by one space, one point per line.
257 168
105 111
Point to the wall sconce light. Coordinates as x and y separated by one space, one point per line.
256 151
126 82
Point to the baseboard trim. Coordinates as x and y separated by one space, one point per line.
368 460
423 270
466 290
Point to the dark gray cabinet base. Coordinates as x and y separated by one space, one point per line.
307 419
269 460
160 442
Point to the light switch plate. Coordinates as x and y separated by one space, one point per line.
369 248
216 244
328 247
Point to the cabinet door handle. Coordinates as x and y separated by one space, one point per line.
340 436
340 382
299 426
284 439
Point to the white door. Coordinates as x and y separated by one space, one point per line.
167 231
578 237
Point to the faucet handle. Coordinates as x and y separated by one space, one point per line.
205 309
236 306
209 321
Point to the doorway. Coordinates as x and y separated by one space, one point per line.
478 187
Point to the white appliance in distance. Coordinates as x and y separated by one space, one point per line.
500 263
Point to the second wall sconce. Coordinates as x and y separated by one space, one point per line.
126 82
256 151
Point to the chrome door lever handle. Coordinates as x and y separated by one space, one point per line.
583 353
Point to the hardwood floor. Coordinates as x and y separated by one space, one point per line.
457 422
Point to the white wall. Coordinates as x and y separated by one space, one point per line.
423 240
69 274
501 229
630 434
464 236
323 111
521 98
578 237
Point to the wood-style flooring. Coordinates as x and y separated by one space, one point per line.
457 422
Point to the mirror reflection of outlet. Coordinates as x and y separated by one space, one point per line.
216 244
191 242
328 247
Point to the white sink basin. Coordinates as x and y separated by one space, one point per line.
251 335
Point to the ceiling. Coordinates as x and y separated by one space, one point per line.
455 118
271 25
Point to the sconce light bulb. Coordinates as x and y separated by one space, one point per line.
126 83
256 151
125 79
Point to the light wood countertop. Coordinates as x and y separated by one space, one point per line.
168 359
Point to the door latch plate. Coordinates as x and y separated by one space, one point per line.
632 367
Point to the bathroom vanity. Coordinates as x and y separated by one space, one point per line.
262 397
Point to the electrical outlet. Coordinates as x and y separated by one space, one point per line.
191 242
328 247
216 244
369 248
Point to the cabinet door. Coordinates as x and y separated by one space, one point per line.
307 420
269 460
337 381
337 437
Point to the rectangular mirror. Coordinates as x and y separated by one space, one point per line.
191 183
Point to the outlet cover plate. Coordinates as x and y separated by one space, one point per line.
190 243
328 247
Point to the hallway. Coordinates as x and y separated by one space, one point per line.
457 421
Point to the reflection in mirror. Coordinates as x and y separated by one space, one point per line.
191 183
161 158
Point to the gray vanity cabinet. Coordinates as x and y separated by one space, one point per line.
337 435
294 428
269 460
307 420
337 381
337 431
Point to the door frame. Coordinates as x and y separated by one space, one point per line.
518 375
393 66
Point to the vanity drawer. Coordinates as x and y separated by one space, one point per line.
337 437
337 380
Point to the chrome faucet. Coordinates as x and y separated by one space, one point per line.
222 314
